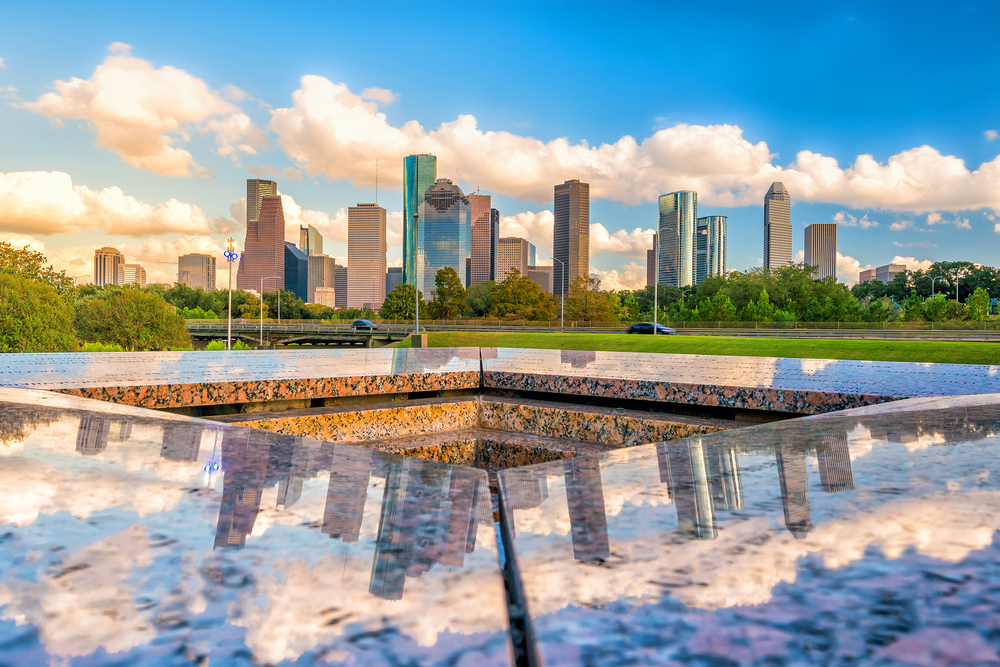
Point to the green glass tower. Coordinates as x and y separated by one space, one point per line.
419 173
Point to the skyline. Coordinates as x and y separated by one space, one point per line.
728 140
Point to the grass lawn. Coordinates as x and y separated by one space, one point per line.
862 350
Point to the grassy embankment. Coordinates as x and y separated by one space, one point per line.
862 350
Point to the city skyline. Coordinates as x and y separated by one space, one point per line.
156 180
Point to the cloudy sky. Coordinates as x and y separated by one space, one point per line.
136 125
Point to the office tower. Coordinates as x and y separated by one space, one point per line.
482 253
350 472
296 271
678 217
710 247
794 490
321 274
365 256
419 174
884 274
512 253
325 296
92 436
340 285
724 475
263 257
257 189
310 240
393 277
495 236
541 275
588 521
651 263
777 227
106 263
532 254
821 248
181 442
443 231
244 459
689 488
570 234
197 271
131 274
833 458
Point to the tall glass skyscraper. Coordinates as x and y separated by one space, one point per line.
710 247
777 226
678 215
443 234
419 174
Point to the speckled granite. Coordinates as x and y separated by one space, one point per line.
805 386
185 379
131 537
845 539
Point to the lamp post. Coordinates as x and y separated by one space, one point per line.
231 257
262 306
656 282
958 273
562 294
932 284
416 283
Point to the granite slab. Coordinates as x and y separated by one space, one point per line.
185 379
843 539
136 537
803 386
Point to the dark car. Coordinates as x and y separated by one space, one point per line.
363 325
647 328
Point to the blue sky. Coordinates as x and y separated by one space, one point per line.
705 85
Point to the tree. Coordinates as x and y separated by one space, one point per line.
250 308
33 317
761 310
134 319
479 298
520 297
400 304
449 300
27 263
587 302
979 305
717 309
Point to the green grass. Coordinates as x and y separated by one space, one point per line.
862 350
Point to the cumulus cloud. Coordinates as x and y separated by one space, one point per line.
290 173
380 95
141 112
3 65
631 244
47 202
536 227
938 219
900 225
912 264
631 277
990 135
845 219
915 244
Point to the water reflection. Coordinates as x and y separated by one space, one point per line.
588 520
577 358
791 463
686 472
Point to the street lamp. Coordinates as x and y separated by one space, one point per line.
262 306
562 294
958 272
416 282
932 283
656 282
231 257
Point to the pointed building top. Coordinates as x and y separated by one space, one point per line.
777 188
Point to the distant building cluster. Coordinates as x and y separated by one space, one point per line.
110 269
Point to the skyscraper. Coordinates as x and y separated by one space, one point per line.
483 242
310 240
651 263
570 234
512 253
365 256
541 275
419 173
532 254
257 189
340 285
131 274
106 263
264 250
494 236
321 275
678 216
197 271
821 248
393 277
710 247
296 271
777 227
442 234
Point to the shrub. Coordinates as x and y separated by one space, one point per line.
100 347
133 319
33 317
221 345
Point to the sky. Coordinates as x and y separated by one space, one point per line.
136 125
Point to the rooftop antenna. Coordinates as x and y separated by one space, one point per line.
376 181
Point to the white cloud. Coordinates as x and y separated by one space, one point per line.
21 240
380 95
536 227
845 219
333 228
3 65
290 173
631 277
912 264
631 244
394 230
900 225
937 219
140 112
996 228
990 135
915 244
47 202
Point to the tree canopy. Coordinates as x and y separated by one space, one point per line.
134 319
33 317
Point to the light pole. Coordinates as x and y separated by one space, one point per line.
958 272
262 306
231 257
932 283
656 282
416 285
562 294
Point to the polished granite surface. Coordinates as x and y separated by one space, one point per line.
807 386
142 538
868 537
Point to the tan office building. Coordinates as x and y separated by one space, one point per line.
884 274
322 273
777 227
512 253
366 246
821 248
131 274
570 234
107 261
485 227
541 275
197 271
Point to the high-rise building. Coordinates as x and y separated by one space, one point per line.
483 252
393 277
651 263
678 217
197 271
340 285
710 247
495 236
541 275
884 274
777 227
263 255
325 296
821 248
532 254
296 271
365 256
570 234
257 189
419 174
131 274
106 264
443 232
310 240
512 253
321 274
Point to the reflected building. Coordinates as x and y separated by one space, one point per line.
834 461
181 442
724 476
244 465
443 234
587 516
350 473
577 358
687 472
92 437
794 490
675 238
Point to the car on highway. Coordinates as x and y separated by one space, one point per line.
364 325
647 328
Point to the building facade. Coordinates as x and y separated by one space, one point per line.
310 240
710 247
257 189
340 285
131 274
884 274
263 257
482 256
197 271
419 174
777 227
495 235
651 263
321 274
512 253
443 234
570 234
106 264
326 296
541 275
366 246
296 271
393 277
821 248
678 218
